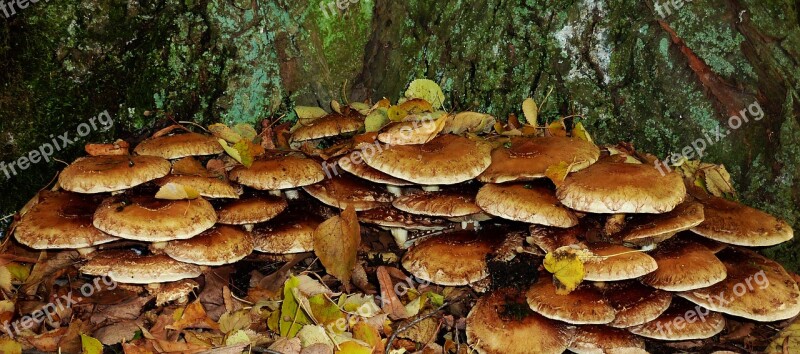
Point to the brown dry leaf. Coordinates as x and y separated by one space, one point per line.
216 167
118 332
513 122
422 332
136 348
557 128
168 130
531 111
48 341
176 191
391 304
119 147
192 316
47 267
472 122
267 135
189 166
336 243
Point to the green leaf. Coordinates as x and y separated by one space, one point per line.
327 313
91 345
427 90
292 317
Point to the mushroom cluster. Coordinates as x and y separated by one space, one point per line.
454 194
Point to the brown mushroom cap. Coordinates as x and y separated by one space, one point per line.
215 246
345 190
130 268
528 158
251 210
387 216
179 145
737 224
330 125
440 203
282 172
502 323
173 291
287 233
209 187
551 238
652 226
60 220
684 265
599 339
362 170
447 159
528 203
756 288
584 305
635 303
111 173
682 321
614 262
616 187
454 258
147 219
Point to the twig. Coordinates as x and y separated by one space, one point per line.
413 323
7 216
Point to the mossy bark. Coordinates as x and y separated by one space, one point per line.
660 82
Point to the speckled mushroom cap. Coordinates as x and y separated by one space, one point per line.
644 228
615 262
288 233
111 173
635 303
128 267
251 210
502 323
616 187
345 190
60 220
530 203
441 203
689 326
756 288
330 125
216 246
525 159
362 170
209 187
684 265
179 145
147 219
584 305
447 159
737 224
594 339
551 238
280 172
451 259
387 216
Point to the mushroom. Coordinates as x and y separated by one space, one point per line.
456 205
684 265
130 268
452 259
756 288
530 203
288 233
330 125
209 187
681 322
177 291
737 224
111 173
362 170
616 187
502 323
251 210
615 262
525 159
147 219
179 145
599 339
584 305
216 246
551 238
400 223
635 303
61 220
283 171
345 190
447 159
645 229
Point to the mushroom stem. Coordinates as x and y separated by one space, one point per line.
292 194
430 188
397 191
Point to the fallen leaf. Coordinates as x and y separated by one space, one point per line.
558 172
353 348
469 122
9 346
368 334
308 113
567 268
580 132
192 316
531 111
292 317
557 128
376 120
336 243
5 279
313 334
91 345
176 191
427 90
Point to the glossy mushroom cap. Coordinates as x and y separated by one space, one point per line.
179 145
502 323
635 303
756 288
530 203
442 203
525 159
682 321
281 172
616 187
737 224
345 190
216 246
584 305
209 187
330 125
643 228
147 219
288 233
60 220
362 170
452 259
615 262
684 265
251 210
111 173
599 339
447 159
130 268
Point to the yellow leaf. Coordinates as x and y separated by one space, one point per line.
557 128
376 120
19 271
313 334
231 322
9 346
558 172
567 268
336 243
309 113
472 122
531 111
580 132
368 334
224 132
353 348
243 151
238 337
91 345
718 181
787 341
5 278
427 90
176 191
